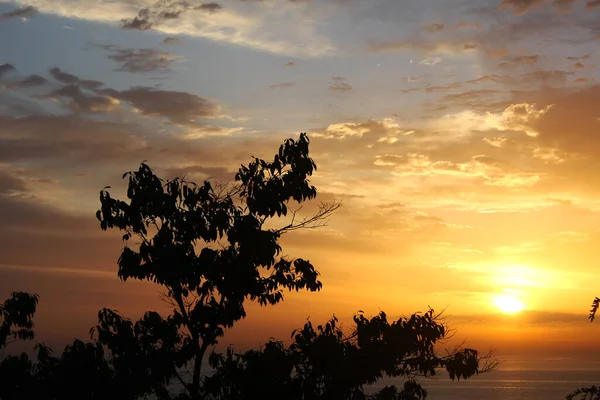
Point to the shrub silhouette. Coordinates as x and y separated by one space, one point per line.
210 248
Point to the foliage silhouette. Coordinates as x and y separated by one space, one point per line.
16 317
592 392
323 363
210 247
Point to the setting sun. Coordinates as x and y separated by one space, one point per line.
508 304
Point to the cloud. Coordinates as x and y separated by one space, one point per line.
178 107
79 100
435 88
289 28
497 53
142 60
339 84
171 41
283 85
464 25
55 233
564 6
10 184
518 117
23 12
433 28
26 83
6 68
378 129
583 57
546 78
584 80
490 171
525 318
491 78
165 10
531 59
591 4
65 77
220 174
73 139
521 7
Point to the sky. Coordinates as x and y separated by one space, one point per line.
462 137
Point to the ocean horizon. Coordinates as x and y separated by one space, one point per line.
527 379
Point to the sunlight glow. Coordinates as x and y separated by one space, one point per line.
508 303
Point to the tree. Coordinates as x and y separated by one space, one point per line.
16 317
324 363
213 248
16 322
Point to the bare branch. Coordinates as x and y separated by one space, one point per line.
318 220
488 362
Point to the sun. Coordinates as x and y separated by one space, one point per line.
508 304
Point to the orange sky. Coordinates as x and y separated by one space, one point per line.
461 136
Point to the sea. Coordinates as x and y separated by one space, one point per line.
516 379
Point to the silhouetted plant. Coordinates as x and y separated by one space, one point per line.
594 308
324 363
592 392
589 393
211 248
16 317
211 251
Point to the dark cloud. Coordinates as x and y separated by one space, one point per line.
6 68
24 12
283 85
27 82
70 79
143 60
80 100
171 40
339 84
165 10
140 60
179 107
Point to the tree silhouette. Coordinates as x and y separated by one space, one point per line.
324 363
239 258
212 248
16 322
16 317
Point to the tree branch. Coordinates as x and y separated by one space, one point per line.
318 220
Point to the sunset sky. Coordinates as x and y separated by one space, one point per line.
463 137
